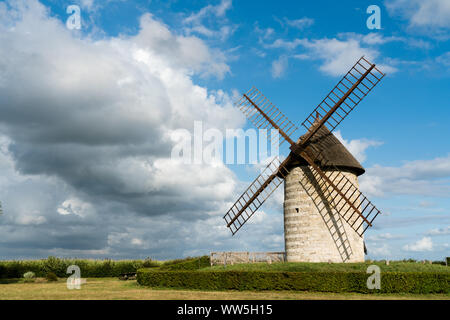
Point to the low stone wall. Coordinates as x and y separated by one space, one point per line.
224 258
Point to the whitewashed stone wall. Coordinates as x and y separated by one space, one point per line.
313 231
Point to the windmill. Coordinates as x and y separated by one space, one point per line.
325 214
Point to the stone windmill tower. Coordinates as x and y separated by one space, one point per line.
325 214
313 229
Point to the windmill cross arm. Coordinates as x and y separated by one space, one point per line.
266 183
259 191
324 176
285 136
327 116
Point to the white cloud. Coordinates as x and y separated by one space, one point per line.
284 44
279 67
137 242
383 237
222 7
420 177
202 30
339 55
214 14
159 47
336 55
431 15
85 149
217 11
372 38
439 232
30 220
264 34
418 43
444 59
377 39
87 4
424 244
357 147
115 238
75 206
434 13
259 53
426 204
222 33
301 56
268 33
299 23
382 251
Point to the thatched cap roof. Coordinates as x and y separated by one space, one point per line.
333 153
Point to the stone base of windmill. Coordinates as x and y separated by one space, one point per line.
313 231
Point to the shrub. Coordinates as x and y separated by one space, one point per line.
148 263
55 265
187 264
13 269
29 276
51 276
394 282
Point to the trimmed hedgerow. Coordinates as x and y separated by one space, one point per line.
394 266
394 282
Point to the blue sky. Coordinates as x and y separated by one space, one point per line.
294 52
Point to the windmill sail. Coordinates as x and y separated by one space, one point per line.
345 96
350 203
256 194
264 115
342 194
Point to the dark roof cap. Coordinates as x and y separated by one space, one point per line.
332 153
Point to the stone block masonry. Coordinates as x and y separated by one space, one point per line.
314 232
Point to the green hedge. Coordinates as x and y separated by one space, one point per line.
394 282
89 268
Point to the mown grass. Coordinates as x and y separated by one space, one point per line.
114 289
394 266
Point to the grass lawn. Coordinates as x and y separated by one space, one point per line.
114 289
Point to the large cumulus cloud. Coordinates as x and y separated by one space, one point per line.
85 129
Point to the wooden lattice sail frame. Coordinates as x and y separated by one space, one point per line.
351 204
